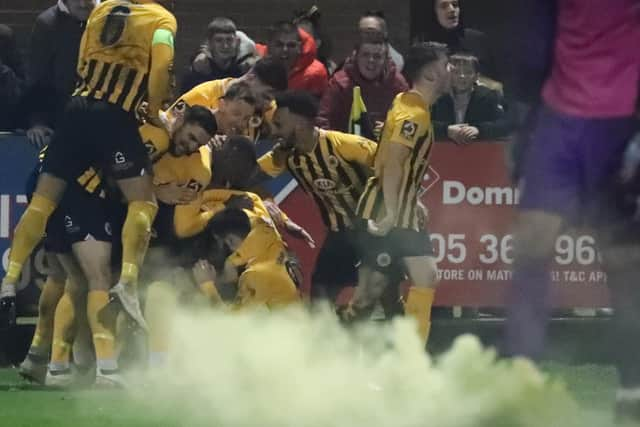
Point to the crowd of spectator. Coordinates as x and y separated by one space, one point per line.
33 97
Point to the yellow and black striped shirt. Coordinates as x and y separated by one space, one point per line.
115 51
334 173
407 123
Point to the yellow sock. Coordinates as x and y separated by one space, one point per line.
418 305
103 339
63 331
211 292
160 305
51 293
135 238
28 234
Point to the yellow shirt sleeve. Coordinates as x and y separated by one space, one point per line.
357 149
155 140
268 165
168 22
409 124
190 220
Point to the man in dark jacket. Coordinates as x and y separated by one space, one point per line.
53 58
11 78
471 111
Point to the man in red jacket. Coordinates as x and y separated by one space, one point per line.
371 68
297 50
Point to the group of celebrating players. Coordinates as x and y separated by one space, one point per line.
170 197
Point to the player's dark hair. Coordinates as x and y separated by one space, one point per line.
230 221
202 117
282 27
239 154
221 25
241 91
239 146
420 55
271 73
301 103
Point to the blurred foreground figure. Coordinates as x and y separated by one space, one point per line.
570 171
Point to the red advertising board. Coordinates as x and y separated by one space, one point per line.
472 207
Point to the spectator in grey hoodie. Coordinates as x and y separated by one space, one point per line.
226 52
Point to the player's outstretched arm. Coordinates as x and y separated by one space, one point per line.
162 52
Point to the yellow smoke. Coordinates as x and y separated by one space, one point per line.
296 369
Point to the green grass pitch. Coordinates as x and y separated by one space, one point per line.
24 405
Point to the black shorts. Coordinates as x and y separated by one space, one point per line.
175 252
163 231
80 216
96 134
336 265
385 253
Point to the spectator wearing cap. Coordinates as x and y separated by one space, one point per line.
370 67
443 22
52 63
11 78
227 52
296 49
373 25
471 111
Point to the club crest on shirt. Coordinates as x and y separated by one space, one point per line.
332 161
151 149
409 129
324 184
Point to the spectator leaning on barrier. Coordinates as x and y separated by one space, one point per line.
227 52
373 24
11 78
444 23
53 57
471 111
296 49
370 68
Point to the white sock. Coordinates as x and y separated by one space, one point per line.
7 290
83 354
158 359
58 366
628 394
107 364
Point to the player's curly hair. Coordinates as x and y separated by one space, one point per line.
271 73
202 117
298 102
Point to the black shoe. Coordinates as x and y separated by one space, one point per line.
7 312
